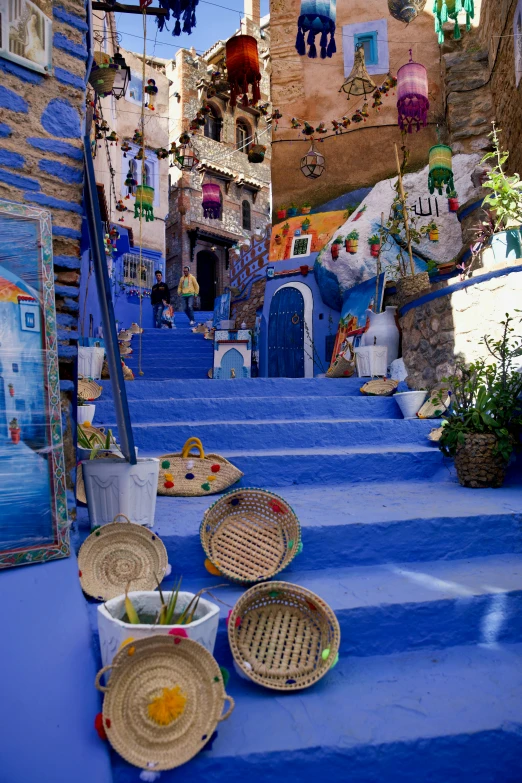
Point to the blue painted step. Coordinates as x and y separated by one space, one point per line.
239 387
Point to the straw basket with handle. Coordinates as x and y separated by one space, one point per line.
188 475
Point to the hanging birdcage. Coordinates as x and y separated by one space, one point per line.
144 202
317 17
256 153
441 171
243 69
359 81
446 10
313 163
405 10
211 201
412 96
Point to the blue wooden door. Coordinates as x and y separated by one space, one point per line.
286 334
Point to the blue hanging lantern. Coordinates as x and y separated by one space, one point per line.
317 17
179 9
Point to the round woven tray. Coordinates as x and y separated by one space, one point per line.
141 671
89 390
435 434
432 409
135 329
283 636
125 336
119 553
381 387
125 350
250 535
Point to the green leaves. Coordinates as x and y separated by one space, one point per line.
505 199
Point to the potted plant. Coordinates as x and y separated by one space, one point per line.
292 210
453 201
85 411
148 613
335 247
352 242
285 229
281 213
278 239
306 208
305 225
92 442
431 231
484 424
375 245
14 430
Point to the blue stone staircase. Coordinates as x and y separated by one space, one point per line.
425 578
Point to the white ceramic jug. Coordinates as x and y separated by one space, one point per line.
383 330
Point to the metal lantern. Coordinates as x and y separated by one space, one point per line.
412 96
122 77
405 10
446 10
144 202
243 69
312 164
359 81
211 201
441 172
185 156
317 17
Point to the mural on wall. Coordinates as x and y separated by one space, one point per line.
33 523
248 264
300 236
356 302
26 33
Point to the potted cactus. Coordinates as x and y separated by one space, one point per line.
453 201
352 242
14 430
285 229
335 247
375 245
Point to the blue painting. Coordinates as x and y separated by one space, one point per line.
356 301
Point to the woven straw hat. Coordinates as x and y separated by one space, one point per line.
125 335
283 636
141 672
381 387
134 328
432 408
89 390
119 553
125 350
250 535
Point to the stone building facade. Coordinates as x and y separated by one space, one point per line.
221 146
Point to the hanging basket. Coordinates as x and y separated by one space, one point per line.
317 17
250 535
103 74
256 153
243 69
283 637
145 726
144 202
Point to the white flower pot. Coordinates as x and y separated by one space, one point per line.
113 631
410 402
371 360
383 330
85 413
90 362
114 486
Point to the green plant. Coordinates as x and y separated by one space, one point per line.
286 227
353 235
306 204
505 198
338 241
432 266
396 232
94 441
167 611
374 239
485 398
13 424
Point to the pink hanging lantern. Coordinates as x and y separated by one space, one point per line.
412 91
211 201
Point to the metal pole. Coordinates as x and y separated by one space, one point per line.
119 392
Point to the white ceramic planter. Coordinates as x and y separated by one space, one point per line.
383 330
90 362
114 486
371 360
113 631
85 413
410 402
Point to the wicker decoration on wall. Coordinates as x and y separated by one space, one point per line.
250 535
283 636
183 681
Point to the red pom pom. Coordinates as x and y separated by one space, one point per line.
98 725
80 574
178 632
168 484
215 468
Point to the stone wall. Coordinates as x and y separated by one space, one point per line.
246 311
41 163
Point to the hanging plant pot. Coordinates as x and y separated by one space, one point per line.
256 153
374 250
305 225
335 251
352 245
285 230
453 204
103 74
15 434
306 210
281 214
434 235
291 212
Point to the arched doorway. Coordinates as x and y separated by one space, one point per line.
290 332
206 274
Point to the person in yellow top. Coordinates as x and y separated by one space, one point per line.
188 288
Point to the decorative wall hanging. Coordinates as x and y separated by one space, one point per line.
211 201
27 35
179 9
151 91
33 518
444 10
130 183
359 81
317 17
405 10
313 163
144 201
412 92
441 172
256 153
243 69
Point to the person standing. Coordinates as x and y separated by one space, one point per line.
159 298
188 288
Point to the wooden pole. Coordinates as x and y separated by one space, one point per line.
404 211
381 235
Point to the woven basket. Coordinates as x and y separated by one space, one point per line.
102 76
89 390
119 553
185 475
125 336
141 671
435 434
381 387
125 350
256 153
477 462
135 329
433 409
283 636
341 368
250 535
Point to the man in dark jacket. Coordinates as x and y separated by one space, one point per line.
159 298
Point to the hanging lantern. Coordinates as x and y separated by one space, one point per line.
186 10
126 147
256 153
444 10
122 77
243 69
185 156
358 82
211 201
441 172
144 202
412 91
317 17
405 10
151 90
312 164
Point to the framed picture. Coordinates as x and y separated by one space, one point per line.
33 508
26 33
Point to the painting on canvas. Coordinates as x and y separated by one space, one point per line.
26 33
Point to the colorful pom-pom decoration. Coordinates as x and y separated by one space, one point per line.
98 725
215 468
317 17
211 568
225 674
165 464
189 476
181 632
168 484
166 708
205 486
